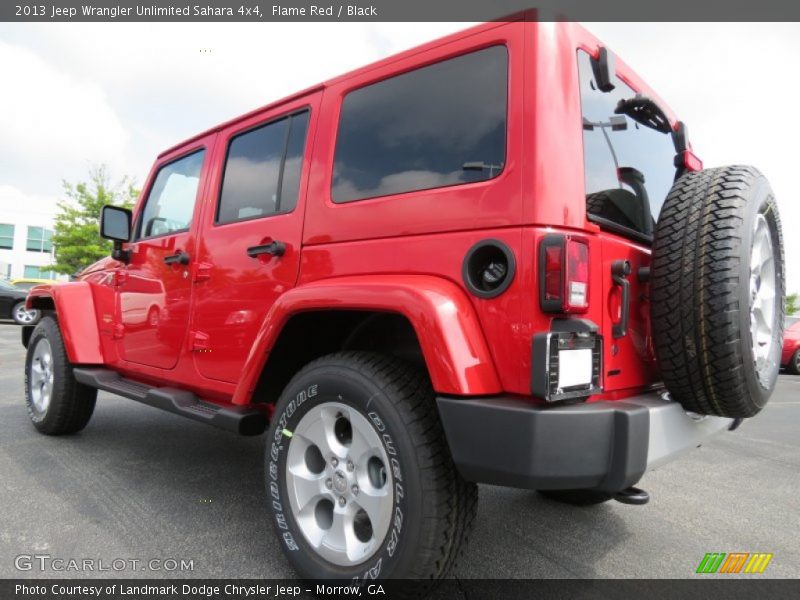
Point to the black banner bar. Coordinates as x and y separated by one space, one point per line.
702 588
396 10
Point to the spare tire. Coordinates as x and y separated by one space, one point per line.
717 291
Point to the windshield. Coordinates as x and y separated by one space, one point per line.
4 285
628 165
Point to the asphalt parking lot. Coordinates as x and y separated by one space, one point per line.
138 483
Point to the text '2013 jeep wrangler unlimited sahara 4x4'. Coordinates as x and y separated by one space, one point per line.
490 259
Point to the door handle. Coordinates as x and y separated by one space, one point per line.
620 269
274 248
180 258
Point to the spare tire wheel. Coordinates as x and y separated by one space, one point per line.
717 291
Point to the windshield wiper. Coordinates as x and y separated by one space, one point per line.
479 165
645 111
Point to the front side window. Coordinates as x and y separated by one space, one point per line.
6 236
170 205
440 125
628 166
39 239
262 171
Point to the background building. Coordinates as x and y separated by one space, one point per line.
26 226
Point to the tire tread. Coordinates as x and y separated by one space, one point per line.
452 512
695 312
73 406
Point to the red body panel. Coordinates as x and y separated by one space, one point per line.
440 256
400 253
78 320
791 343
155 297
234 292
557 199
482 205
449 331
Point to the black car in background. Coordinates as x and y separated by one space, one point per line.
12 305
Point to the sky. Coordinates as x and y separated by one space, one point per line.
76 95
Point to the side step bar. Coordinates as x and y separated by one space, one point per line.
238 419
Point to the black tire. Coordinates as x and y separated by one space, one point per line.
71 404
701 291
18 321
794 363
433 515
576 497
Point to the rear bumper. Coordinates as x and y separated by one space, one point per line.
598 445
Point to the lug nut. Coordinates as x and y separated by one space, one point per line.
342 501
335 462
355 490
328 483
350 466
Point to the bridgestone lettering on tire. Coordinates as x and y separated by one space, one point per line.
57 404
355 430
717 289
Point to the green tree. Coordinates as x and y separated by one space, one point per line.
76 237
792 305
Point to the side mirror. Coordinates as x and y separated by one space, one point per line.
115 225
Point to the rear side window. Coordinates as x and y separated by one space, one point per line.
440 125
262 170
628 166
170 205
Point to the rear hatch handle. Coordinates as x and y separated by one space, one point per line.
620 269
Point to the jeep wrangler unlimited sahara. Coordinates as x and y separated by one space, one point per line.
491 259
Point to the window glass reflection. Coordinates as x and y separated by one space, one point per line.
439 125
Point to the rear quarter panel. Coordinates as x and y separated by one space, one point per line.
427 232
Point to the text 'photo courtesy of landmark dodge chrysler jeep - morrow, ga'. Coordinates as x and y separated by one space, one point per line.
490 259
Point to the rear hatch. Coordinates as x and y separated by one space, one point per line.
629 168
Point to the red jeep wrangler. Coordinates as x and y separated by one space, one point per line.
491 259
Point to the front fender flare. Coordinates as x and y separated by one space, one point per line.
74 306
447 327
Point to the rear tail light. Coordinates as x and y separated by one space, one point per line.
563 274
577 275
553 273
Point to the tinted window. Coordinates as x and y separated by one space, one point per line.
170 205
293 163
628 166
440 125
262 171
